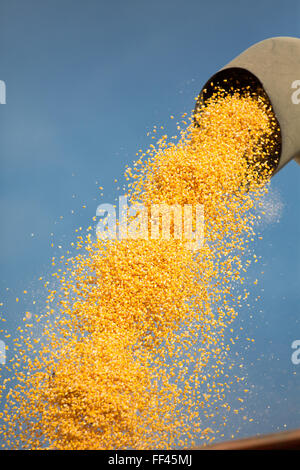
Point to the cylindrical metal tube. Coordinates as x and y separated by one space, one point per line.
271 67
286 440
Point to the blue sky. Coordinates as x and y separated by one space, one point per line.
85 82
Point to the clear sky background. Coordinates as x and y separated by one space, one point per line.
85 82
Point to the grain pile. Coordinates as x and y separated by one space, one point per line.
132 349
